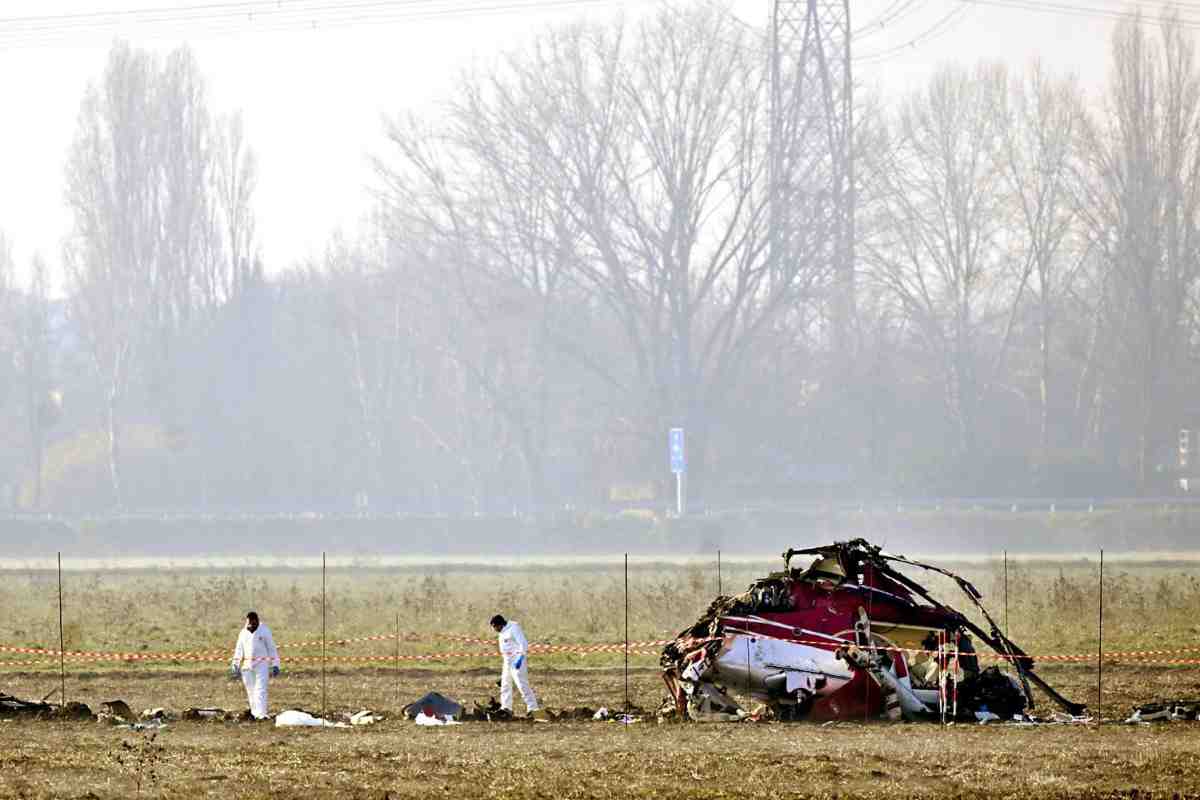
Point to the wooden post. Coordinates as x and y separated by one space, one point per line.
62 658
1100 653
1007 630
627 633
323 692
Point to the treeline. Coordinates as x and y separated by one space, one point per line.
586 247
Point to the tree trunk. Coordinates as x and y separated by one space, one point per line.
114 439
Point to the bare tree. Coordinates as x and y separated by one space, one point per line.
189 249
509 246
369 318
1041 165
42 404
1141 207
146 254
113 192
622 171
236 178
939 226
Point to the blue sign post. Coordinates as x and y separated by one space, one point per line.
678 453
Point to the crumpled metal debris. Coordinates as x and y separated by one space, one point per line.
119 709
365 717
488 712
160 714
433 704
1165 711
14 707
850 636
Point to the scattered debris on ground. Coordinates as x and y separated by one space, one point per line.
365 717
1165 711
116 712
16 708
160 714
488 712
433 704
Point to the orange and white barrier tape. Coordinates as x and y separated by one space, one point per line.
47 659
1166 657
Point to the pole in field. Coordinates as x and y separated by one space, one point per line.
749 697
1007 630
1100 653
718 573
627 633
398 700
62 662
323 693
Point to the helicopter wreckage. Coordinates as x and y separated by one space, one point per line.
848 637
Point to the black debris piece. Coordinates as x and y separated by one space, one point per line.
991 690
119 709
489 712
13 707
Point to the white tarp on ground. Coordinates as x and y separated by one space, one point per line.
302 719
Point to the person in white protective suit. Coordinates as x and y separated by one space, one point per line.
254 658
514 650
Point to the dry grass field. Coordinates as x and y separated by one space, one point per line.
1052 609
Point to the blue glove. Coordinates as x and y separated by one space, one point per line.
520 660
274 672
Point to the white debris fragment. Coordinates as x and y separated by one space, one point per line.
433 721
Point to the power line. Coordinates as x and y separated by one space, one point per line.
218 18
233 7
1182 4
1069 9
943 24
134 12
1039 6
885 18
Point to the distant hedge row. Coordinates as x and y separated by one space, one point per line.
940 532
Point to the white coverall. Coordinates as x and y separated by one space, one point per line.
254 655
513 651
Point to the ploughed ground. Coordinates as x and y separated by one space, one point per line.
394 758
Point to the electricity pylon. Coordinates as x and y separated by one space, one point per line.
812 165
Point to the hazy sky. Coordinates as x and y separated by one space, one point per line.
313 94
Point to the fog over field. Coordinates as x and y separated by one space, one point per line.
940 269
